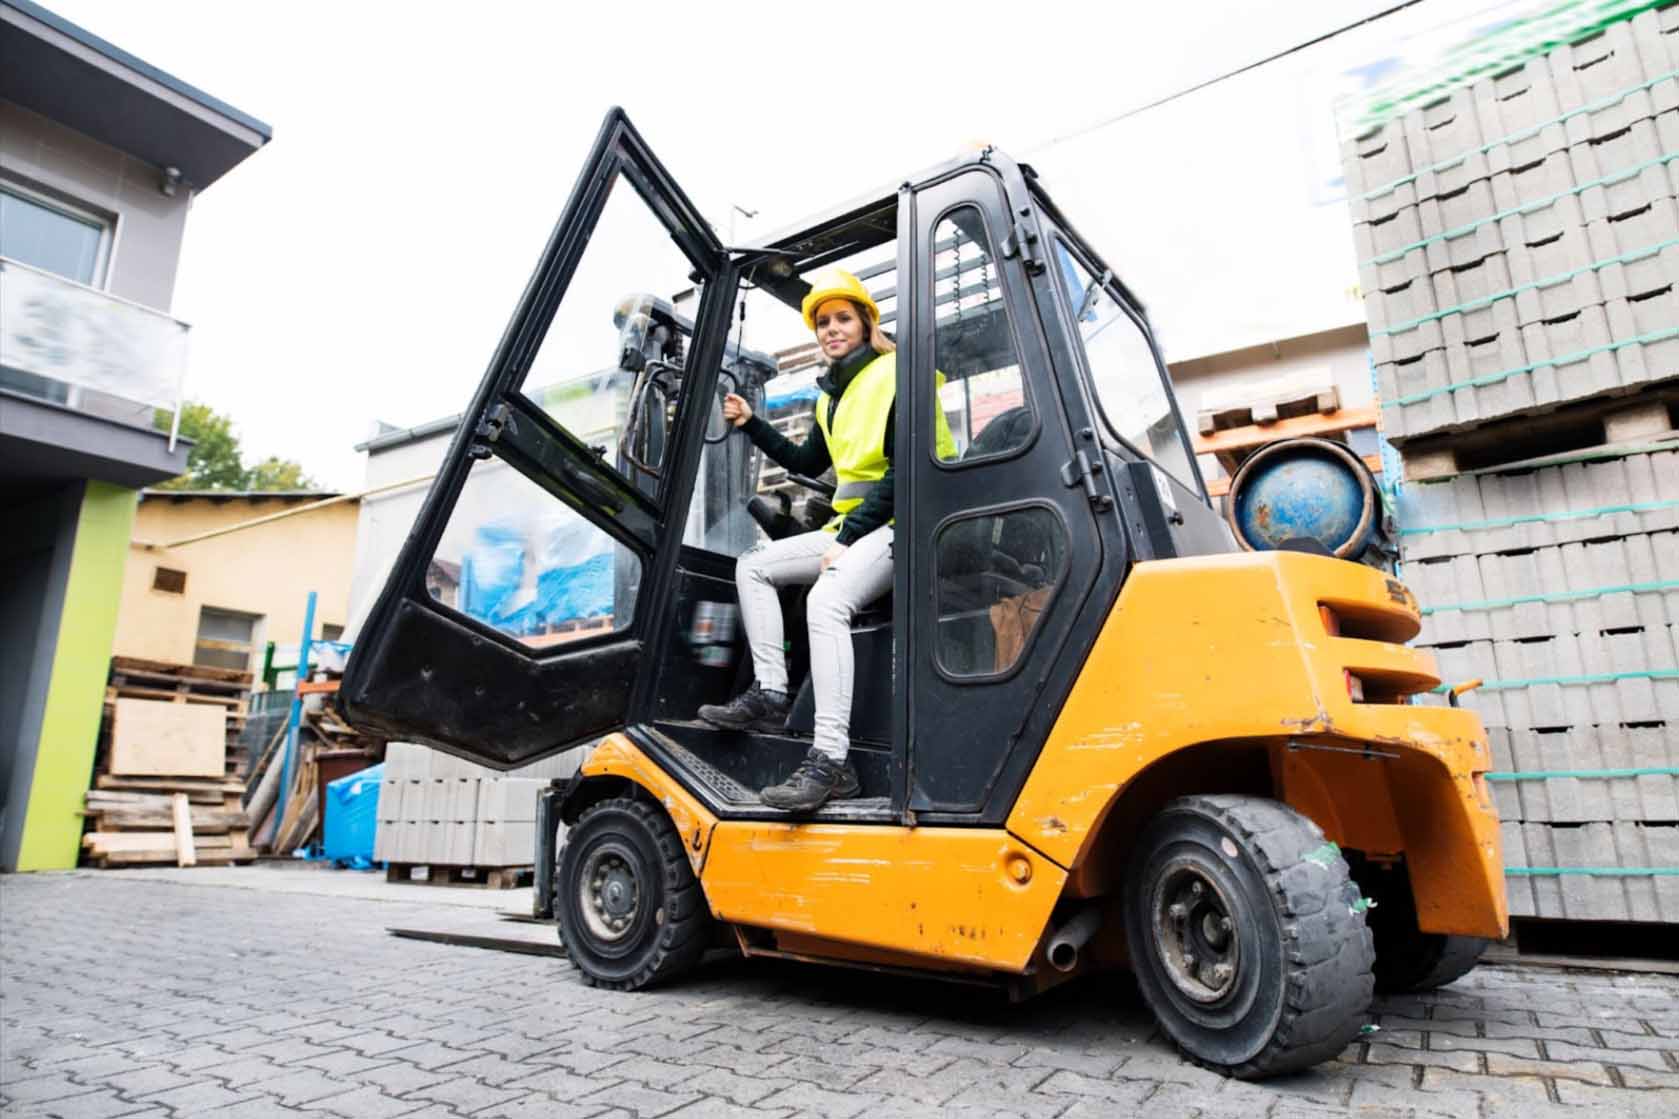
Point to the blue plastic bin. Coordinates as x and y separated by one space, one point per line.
352 815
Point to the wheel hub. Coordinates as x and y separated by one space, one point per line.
1197 938
609 893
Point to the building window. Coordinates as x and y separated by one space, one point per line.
52 236
331 633
224 639
169 580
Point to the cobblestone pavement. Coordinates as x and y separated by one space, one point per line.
155 998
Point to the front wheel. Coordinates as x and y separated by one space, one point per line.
1247 935
630 910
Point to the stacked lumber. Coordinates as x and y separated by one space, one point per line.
196 684
134 821
162 790
1519 256
325 749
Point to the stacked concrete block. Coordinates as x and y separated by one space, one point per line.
1599 851
1521 280
1519 237
438 810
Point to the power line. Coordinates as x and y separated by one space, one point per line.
1170 97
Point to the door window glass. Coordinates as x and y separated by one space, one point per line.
996 573
1130 386
612 357
516 559
983 394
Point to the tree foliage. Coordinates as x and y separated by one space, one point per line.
216 462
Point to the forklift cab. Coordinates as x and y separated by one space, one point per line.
572 569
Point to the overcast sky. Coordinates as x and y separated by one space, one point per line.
363 264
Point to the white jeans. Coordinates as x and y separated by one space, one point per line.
861 575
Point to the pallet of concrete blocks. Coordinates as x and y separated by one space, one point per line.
1582 775
1527 508
1592 872
1584 587
1568 679
443 820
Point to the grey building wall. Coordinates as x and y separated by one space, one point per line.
35 554
39 153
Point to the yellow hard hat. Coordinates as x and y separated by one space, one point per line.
836 283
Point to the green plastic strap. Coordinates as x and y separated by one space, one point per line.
1549 774
1607 180
1532 285
1559 596
1596 678
1573 515
1594 871
1565 359
1521 134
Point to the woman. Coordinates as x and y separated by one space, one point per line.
849 560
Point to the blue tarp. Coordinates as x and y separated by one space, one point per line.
573 576
352 814
791 396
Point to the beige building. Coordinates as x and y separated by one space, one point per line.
220 599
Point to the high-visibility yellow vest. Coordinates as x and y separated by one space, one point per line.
856 432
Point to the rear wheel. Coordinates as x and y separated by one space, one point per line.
630 910
1246 935
1408 959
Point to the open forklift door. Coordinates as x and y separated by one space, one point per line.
514 621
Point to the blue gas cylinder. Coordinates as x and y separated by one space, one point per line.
1304 489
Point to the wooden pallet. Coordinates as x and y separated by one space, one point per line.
1232 445
198 672
130 828
480 877
1269 409
1524 442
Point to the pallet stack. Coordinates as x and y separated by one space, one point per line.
449 822
165 786
1519 255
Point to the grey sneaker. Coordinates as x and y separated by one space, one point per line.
753 709
817 780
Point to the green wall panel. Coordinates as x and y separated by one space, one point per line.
52 827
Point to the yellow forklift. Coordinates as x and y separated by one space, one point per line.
1091 730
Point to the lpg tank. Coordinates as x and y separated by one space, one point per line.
1309 494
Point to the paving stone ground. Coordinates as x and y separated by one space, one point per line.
124 996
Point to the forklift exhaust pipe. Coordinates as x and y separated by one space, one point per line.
1066 942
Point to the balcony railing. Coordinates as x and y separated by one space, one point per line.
83 348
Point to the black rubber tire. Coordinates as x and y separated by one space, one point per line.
1300 987
670 926
1408 959
1431 960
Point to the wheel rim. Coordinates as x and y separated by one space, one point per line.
1199 948
609 893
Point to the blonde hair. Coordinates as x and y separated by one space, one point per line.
878 339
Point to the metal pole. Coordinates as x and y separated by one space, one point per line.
295 717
